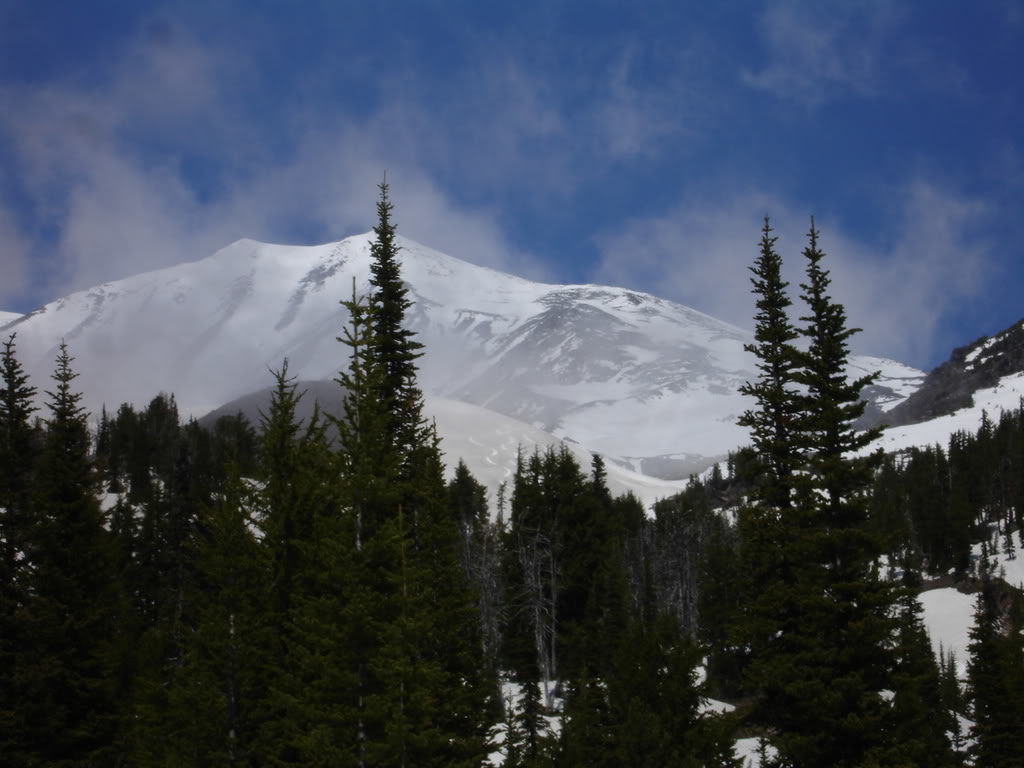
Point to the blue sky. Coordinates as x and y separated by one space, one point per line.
636 143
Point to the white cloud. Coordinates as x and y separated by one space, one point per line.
699 252
105 167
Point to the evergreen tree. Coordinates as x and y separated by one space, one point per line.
586 737
18 446
434 686
996 680
211 714
393 347
773 420
467 504
919 721
822 630
397 623
656 701
286 503
767 553
64 676
836 646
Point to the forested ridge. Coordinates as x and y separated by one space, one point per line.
314 593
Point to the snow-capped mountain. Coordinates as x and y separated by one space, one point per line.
647 382
8 317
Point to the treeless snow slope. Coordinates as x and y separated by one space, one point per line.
488 443
8 317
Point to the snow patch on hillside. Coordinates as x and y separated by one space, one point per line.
903 380
948 616
748 750
949 613
1004 396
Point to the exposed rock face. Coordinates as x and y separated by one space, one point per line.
952 385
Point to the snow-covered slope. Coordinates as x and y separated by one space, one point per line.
8 317
950 387
645 381
1006 395
487 441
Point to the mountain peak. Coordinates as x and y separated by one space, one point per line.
633 376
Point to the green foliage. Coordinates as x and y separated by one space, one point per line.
656 702
393 348
773 420
63 675
212 700
18 449
821 631
265 597
920 717
996 678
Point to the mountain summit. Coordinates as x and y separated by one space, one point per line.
648 382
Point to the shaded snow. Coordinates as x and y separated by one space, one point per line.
747 750
488 442
948 615
901 379
975 353
512 695
109 500
1008 565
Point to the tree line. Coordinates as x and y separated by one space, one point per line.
312 592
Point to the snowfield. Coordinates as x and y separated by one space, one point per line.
7 318
488 443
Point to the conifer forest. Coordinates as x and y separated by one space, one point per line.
313 592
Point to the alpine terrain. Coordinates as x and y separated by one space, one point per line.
650 384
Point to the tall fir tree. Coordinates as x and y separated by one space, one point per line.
766 553
823 628
402 627
437 606
773 420
18 448
996 678
65 677
393 348
838 646
287 496
210 711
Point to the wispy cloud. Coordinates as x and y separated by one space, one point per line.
816 50
15 251
635 116
699 252
106 165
